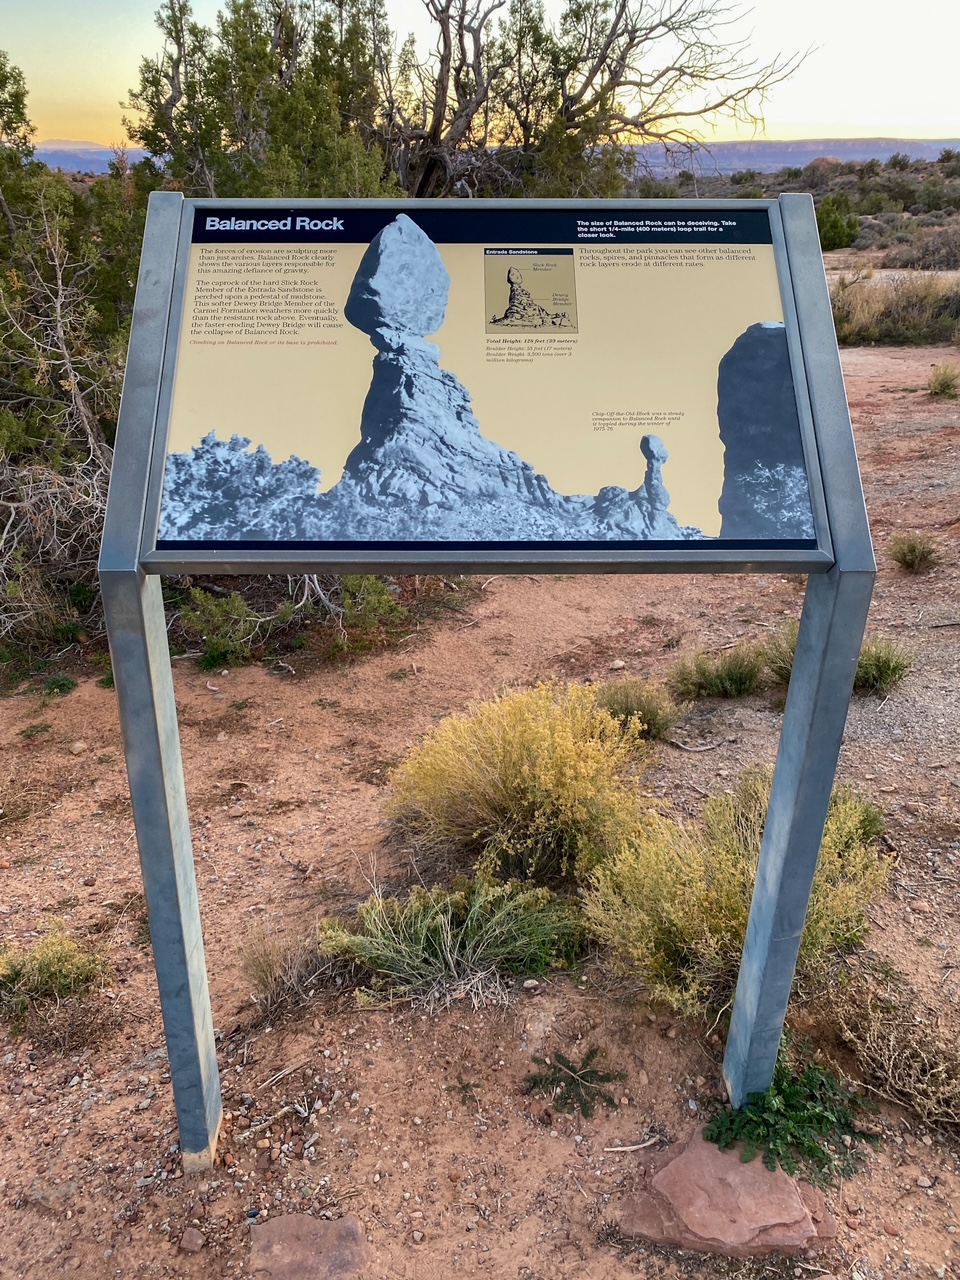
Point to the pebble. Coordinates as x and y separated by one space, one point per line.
192 1240
78 748
417 1237
617 664
890 1229
924 1182
531 984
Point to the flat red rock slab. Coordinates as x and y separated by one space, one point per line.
298 1247
706 1199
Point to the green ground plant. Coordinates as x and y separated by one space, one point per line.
914 552
779 651
50 991
881 666
59 686
944 381
439 946
673 902
535 785
806 1123
644 703
571 1087
731 674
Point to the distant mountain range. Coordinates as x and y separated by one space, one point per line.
79 157
766 156
722 157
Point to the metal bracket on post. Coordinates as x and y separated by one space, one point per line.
828 646
133 606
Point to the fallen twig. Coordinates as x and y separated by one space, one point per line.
637 1146
264 1124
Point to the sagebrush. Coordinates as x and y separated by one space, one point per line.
536 785
673 902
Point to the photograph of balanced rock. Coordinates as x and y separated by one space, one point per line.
425 470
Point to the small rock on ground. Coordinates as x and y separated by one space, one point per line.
296 1246
702 1198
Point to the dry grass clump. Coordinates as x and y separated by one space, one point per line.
730 674
909 310
881 666
901 1049
673 902
644 703
914 552
440 946
51 991
779 651
932 249
286 972
533 785
944 381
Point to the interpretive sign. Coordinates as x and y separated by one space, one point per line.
641 386
437 378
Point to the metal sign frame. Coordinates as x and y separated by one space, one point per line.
840 568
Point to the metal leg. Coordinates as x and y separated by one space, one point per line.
148 718
831 632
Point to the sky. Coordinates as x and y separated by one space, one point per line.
863 77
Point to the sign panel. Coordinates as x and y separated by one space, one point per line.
448 376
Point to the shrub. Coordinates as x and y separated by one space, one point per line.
49 991
779 651
944 381
934 250
837 223
532 785
441 946
881 666
914 552
673 902
226 625
902 1050
909 310
287 972
730 674
644 703
805 1122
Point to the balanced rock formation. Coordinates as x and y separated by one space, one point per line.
423 470
698 1197
765 493
523 313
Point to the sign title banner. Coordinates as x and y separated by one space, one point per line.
454 375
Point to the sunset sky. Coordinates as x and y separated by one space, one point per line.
864 78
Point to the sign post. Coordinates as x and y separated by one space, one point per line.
417 386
